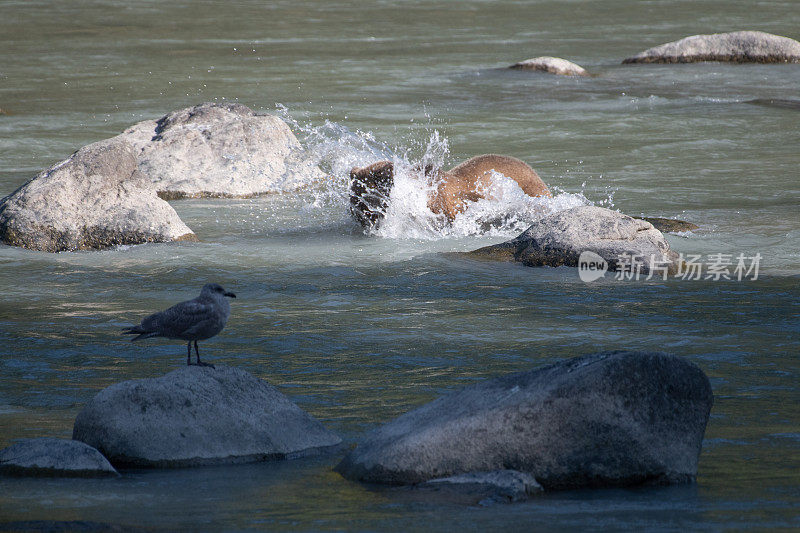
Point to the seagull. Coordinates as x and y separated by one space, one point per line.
193 320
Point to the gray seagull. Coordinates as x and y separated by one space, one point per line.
193 320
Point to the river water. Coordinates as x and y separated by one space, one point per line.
358 329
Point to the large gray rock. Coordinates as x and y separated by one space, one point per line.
606 419
560 239
552 65
94 199
54 458
737 46
220 150
198 416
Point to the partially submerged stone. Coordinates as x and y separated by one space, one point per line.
780 103
498 486
605 419
559 239
48 457
670 225
94 199
552 65
220 150
198 416
737 46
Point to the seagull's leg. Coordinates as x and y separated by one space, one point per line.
199 362
189 353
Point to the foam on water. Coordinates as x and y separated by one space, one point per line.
505 210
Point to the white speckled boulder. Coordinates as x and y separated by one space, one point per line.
552 65
220 150
737 46
198 416
605 419
48 457
560 238
94 199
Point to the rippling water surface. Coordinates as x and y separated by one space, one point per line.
358 329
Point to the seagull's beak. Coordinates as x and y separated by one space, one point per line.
229 294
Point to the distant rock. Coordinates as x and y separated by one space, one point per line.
560 238
198 416
94 199
48 457
670 225
737 46
220 150
553 65
606 419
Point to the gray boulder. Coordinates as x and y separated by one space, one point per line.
198 416
560 239
737 46
220 150
94 199
48 457
552 65
606 419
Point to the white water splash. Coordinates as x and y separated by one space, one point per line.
505 211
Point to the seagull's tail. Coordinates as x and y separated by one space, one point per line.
139 332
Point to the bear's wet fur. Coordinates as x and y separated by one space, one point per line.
371 186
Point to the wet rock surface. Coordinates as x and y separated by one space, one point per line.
49 457
670 225
605 419
560 239
198 416
486 488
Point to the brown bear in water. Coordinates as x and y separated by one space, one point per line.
370 186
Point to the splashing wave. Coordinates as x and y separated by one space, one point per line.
505 211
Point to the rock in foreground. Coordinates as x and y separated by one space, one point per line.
737 46
552 65
48 457
606 419
560 238
94 199
198 416
220 150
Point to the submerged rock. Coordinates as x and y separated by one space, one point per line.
220 150
553 65
606 419
559 240
498 486
776 102
737 46
48 457
670 225
198 416
94 199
